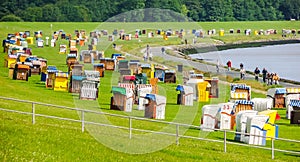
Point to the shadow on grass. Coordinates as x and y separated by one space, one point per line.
168 103
293 155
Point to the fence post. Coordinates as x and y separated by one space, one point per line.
130 127
33 113
82 121
273 156
177 134
225 144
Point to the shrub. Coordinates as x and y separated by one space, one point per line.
235 79
11 18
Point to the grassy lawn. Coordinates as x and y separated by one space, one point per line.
56 140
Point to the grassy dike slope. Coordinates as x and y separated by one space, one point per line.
54 140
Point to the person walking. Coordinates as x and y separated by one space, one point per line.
163 50
264 74
242 72
276 79
229 65
256 73
218 66
241 66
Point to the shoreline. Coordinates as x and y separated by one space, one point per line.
204 48
186 50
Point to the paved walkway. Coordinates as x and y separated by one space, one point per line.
156 51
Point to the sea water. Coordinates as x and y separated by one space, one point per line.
281 59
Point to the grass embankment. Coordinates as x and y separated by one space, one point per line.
54 140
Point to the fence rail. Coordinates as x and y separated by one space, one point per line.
130 128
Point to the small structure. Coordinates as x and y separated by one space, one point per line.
170 76
240 92
261 104
75 83
53 42
214 87
62 49
145 87
202 90
122 99
278 96
95 55
124 72
109 63
226 117
89 90
292 93
133 66
11 71
270 127
241 121
140 78
153 82
123 64
128 79
71 59
194 84
87 57
241 105
61 81
21 71
148 69
196 76
155 108
141 94
294 105
40 43
115 55
185 96
160 73
77 70
51 71
92 75
255 125
209 118
43 70
73 48
22 57
295 117
101 68
10 59
36 67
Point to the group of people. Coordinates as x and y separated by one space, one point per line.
268 78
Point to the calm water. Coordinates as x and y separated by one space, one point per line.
281 59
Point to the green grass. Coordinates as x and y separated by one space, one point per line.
55 140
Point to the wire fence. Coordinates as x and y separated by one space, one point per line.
130 127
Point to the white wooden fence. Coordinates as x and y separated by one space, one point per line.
130 127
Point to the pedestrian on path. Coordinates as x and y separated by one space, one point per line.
264 74
229 65
256 73
163 50
241 66
242 72
218 66
276 79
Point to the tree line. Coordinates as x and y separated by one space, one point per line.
103 10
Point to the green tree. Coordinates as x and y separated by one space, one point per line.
11 17
33 14
51 13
